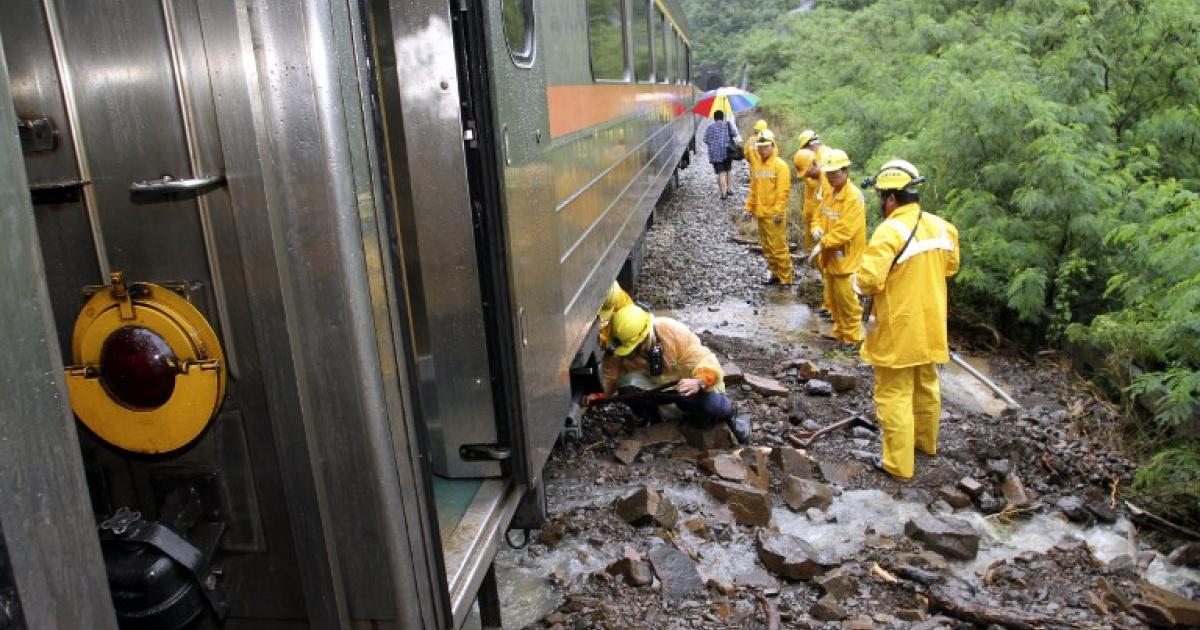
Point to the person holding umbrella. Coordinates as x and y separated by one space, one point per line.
721 137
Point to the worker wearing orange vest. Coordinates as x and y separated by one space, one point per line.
839 229
904 272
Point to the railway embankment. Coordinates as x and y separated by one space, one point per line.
1020 521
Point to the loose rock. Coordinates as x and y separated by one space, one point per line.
837 584
802 494
951 537
840 473
766 385
1074 509
750 506
636 573
1014 491
953 496
676 571
626 451
1186 555
972 487
714 438
733 374
826 609
647 505
809 370
842 381
818 387
790 557
726 466
793 463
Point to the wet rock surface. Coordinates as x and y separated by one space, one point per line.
699 269
951 537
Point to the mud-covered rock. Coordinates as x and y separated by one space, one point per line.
951 537
766 385
749 505
803 494
647 505
712 438
790 557
793 463
818 387
676 571
827 609
837 584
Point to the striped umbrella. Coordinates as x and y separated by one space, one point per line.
725 99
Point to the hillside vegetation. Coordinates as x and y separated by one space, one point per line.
1061 136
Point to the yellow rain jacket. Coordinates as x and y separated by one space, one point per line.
616 300
910 298
683 357
843 218
770 185
816 190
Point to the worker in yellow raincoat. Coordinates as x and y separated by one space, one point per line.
810 141
839 229
616 299
770 185
748 147
816 188
904 272
649 352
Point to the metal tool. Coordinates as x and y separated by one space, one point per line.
640 394
962 363
856 420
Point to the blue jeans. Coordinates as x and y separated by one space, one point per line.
705 409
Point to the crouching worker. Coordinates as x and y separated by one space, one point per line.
651 352
904 271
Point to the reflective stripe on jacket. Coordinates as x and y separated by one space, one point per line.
770 185
910 298
843 218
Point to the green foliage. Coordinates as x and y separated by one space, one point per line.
1170 482
1062 137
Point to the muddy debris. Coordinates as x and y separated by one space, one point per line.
951 537
647 506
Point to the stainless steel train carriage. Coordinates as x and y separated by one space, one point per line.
298 295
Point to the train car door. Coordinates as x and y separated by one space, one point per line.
120 141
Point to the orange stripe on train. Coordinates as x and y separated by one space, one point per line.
577 107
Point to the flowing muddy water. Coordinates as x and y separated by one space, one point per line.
528 593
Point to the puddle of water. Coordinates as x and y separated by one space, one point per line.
959 387
780 319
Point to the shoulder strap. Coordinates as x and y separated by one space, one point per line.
908 242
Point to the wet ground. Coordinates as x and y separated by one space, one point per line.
1057 550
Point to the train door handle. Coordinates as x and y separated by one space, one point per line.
167 185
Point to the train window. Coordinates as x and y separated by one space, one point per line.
605 40
640 31
518 29
662 39
687 64
677 57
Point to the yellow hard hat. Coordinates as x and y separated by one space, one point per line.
897 175
807 136
616 298
760 125
630 327
835 160
765 137
804 160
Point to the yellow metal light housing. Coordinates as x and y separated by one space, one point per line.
148 373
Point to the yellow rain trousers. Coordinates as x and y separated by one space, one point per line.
770 185
908 404
908 335
683 357
843 218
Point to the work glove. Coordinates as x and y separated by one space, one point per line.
592 399
816 251
817 233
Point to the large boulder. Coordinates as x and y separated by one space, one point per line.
951 537
749 505
647 505
791 557
676 571
801 494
